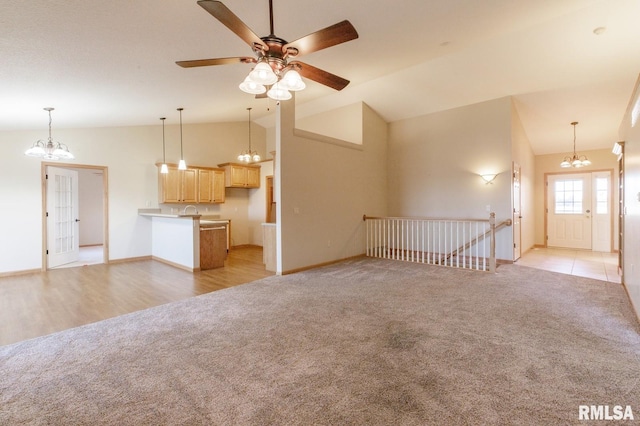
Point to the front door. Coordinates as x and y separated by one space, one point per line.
569 211
62 216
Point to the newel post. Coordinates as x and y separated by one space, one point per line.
492 250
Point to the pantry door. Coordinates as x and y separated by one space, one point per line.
569 212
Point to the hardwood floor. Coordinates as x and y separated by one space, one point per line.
38 304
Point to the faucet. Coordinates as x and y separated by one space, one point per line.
184 211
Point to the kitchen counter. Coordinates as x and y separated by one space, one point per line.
159 213
177 242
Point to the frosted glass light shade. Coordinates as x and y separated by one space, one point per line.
263 74
278 93
37 150
182 165
292 81
164 169
251 87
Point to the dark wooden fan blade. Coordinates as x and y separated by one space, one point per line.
321 76
330 36
216 61
231 21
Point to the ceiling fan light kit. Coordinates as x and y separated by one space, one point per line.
574 160
273 67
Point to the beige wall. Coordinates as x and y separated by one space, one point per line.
324 187
524 157
341 123
601 159
130 154
630 134
435 163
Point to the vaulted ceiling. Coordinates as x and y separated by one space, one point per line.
112 63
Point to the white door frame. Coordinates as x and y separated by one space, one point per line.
105 205
572 172
517 211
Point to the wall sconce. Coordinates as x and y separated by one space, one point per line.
488 178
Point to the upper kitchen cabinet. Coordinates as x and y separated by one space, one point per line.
241 175
194 185
178 186
211 186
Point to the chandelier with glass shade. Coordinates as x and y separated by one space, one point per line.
575 160
249 155
49 150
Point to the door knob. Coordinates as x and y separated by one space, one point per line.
588 211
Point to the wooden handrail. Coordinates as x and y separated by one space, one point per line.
479 238
365 217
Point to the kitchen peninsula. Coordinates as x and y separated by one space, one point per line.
178 239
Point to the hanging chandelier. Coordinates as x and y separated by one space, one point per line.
249 155
49 150
576 160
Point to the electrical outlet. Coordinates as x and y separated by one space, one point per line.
328 243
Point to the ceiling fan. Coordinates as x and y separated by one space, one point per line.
274 64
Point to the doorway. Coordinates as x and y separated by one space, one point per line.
517 213
75 219
579 211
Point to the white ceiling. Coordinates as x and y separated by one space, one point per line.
112 63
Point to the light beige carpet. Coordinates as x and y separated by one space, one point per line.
363 342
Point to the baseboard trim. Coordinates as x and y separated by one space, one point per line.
319 265
633 307
175 265
130 259
23 272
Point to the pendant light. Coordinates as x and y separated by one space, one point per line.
576 160
49 150
249 155
181 165
163 169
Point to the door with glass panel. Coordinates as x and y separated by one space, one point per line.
62 216
579 211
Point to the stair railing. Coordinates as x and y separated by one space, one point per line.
459 243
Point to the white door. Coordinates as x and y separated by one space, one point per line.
517 213
602 212
569 211
62 216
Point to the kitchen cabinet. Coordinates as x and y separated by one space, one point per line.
211 186
213 247
241 175
178 186
194 185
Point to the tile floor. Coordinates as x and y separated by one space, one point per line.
582 263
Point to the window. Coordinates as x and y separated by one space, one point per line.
602 195
568 196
